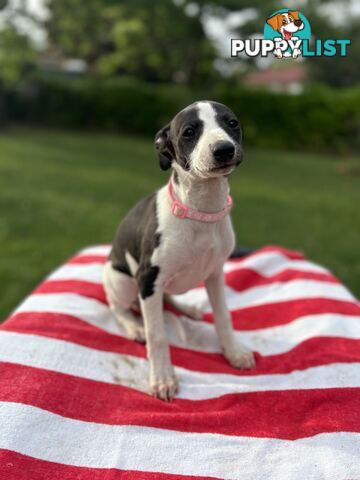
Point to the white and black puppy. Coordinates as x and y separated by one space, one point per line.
178 237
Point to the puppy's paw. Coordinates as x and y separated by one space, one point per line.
188 310
136 332
164 387
240 357
194 313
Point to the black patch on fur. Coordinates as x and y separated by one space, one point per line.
146 279
239 252
137 234
184 146
164 147
223 116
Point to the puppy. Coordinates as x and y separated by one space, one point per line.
286 24
178 237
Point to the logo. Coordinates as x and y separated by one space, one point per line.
287 34
287 28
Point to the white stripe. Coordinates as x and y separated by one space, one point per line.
77 360
268 264
83 308
201 336
96 250
273 293
47 436
265 264
89 272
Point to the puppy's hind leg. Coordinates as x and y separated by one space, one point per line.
133 325
187 310
122 294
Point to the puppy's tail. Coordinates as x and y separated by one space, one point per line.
239 252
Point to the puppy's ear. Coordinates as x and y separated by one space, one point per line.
273 22
295 14
164 147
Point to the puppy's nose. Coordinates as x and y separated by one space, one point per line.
298 23
223 151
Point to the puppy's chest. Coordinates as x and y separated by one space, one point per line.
191 255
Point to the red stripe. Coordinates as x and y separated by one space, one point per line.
248 318
313 352
81 259
281 313
72 329
15 466
290 254
79 287
239 280
287 415
246 278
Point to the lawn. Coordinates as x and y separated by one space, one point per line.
61 191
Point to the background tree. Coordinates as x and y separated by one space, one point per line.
166 40
80 29
17 56
155 40
339 71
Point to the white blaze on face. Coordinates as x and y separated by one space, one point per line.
201 158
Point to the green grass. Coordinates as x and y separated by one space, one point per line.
61 191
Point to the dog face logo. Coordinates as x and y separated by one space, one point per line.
286 23
288 29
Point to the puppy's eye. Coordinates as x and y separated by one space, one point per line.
233 123
284 22
188 132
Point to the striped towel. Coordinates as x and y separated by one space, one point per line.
73 389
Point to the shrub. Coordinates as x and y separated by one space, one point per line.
319 119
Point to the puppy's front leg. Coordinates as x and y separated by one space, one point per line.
238 355
163 382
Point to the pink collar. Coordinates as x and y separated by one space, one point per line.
182 211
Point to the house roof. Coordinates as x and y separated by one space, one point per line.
281 76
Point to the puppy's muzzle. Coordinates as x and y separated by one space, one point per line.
223 152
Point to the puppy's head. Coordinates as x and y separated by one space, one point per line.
204 139
286 23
